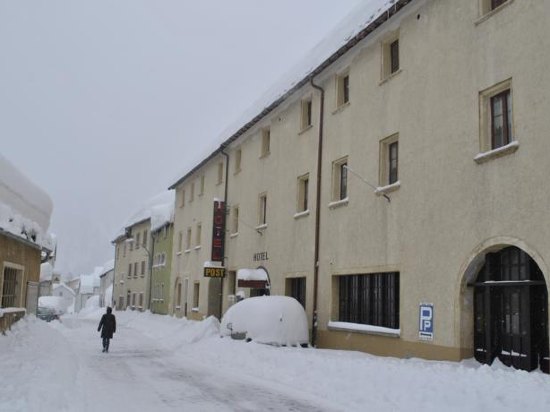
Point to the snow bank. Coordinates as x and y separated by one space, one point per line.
53 302
279 320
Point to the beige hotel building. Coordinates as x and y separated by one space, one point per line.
399 189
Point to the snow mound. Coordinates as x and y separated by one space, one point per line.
277 320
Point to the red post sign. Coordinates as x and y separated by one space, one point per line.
218 232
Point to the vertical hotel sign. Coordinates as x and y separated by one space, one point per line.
218 232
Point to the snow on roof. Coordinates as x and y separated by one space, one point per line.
159 208
252 274
46 271
23 196
357 20
25 209
62 286
108 266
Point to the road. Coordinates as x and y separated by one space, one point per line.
140 374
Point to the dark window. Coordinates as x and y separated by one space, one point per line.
130 270
370 299
394 56
393 162
345 89
298 290
305 188
496 3
9 288
343 180
501 119
308 113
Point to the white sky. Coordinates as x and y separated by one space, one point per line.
105 103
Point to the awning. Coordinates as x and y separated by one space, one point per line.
252 278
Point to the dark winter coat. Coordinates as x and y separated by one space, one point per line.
108 322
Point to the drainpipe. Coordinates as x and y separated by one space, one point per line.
317 212
226 188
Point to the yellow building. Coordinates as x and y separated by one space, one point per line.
397 189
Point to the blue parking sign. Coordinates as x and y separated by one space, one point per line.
426 326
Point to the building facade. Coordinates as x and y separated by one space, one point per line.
397 190
162 239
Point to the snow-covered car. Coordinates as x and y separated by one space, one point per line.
274 320
47 314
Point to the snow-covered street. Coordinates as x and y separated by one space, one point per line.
159 363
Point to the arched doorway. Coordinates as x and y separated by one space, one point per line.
511 311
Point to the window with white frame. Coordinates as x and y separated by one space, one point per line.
262 209
306 118
342 89
340 179
266 142
389 160
303 193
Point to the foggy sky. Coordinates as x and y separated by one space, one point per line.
105 103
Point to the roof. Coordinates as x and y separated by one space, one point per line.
360 22
159 210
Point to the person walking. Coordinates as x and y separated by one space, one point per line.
108 323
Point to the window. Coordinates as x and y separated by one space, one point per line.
141 300
238 155
490 5
138 240
182 197
390 56
196 290
371 299
303 188
180 241
496 119
178 295
192 192
389 160
220 173
198 234
133 299
342 89
262 209
131 242
306 114
340 179
188 239
143 268
235 220
501 119
129 270
135 269
231 282
145 238
201 192
296 288
266 142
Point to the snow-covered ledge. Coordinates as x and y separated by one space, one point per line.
366 329
501 151
338 203
301 214
261 227
383 190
